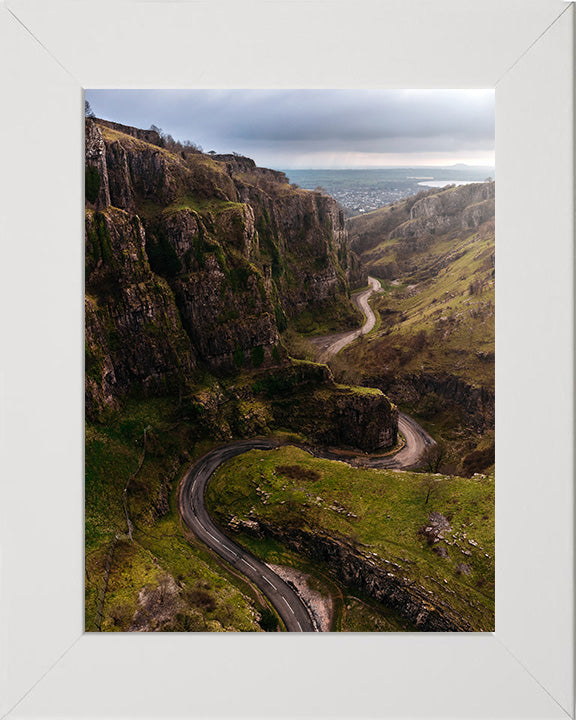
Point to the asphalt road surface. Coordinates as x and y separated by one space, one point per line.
294 613
417 440
330 345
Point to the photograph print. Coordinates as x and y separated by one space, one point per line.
289 360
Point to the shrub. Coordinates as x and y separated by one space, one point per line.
478 460
201 598
239 358
268 621
296 472
92 184
297 346
430 405
257 356
275 385
420 340
476 287
434 456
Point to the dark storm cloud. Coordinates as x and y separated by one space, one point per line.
297 122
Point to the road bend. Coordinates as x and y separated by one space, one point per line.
296 616
416 438
330 345
294 613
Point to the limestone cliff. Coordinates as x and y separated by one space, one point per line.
134 333
196 261
460 208
434 349
419 218
379 578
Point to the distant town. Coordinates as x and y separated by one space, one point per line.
363 200
361 191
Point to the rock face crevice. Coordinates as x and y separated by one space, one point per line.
475 404
196 261
134 334
382 580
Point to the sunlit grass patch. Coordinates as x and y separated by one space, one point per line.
382 512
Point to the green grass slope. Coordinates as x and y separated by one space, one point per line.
384 513
161 579
438 315
433 349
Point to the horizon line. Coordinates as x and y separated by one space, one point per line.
393 167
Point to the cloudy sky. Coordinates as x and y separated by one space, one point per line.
289 129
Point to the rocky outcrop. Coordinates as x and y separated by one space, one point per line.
302 235
101 389
299 233
476 405
474 215
97 186
149 136
365 420
431 212
304 397
240 165
134 334
226 327
380 579
192 258
343 417
119 181
144 176
455 209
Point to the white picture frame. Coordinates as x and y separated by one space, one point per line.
50 51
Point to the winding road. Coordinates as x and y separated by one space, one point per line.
330 345
417 439
191 501
297 617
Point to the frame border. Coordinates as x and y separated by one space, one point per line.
51 49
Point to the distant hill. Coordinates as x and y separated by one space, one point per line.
433 350
417 220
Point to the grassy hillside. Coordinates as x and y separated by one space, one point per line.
433 349
385 514
137 549
157 580
438 315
